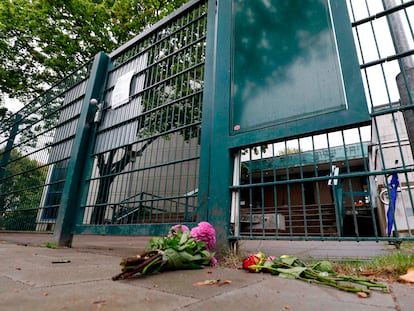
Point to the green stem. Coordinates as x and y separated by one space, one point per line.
362 281
157 261
330 282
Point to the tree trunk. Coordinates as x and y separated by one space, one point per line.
109 169
99 211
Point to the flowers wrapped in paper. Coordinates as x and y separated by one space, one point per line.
181 249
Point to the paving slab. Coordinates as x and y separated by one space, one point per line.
184 282
403 295
42 267
273 293
96 295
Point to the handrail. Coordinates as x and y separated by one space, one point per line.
133 210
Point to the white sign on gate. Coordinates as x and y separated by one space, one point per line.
120 94
119 124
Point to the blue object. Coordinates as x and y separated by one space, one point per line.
393 199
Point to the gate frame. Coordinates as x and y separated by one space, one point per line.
70 201
219 145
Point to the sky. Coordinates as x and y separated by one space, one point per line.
13 105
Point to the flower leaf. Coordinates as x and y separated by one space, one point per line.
323 266
292 273
184 237
291 261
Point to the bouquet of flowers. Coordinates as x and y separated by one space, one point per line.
320 273
181 249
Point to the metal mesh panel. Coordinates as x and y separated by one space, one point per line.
147 145
35 149
342 184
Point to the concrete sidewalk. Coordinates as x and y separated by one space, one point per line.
79 278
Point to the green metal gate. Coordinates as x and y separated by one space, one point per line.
311 151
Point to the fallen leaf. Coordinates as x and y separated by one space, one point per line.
207 282
97 302
45 294
408 277
212 282
224 282
362 295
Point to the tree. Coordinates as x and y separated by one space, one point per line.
21 187
41 41
288 150
3 110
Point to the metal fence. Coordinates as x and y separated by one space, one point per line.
35 149
141 165
348 184
143 162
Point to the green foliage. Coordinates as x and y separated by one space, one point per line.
182 250
22 220
3 110
385 266
20 192
41 41
22 185
288 150
176 251
323 266
51 245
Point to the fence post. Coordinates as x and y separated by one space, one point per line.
6 155
70 201
215 159
405 79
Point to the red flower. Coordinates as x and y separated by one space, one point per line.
253 263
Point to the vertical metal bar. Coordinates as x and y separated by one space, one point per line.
262 196
315 167
274 188
235 195
215 158
289 200
70 202
302 185
405 80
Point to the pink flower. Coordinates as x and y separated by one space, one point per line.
176 228
213 261
205 232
